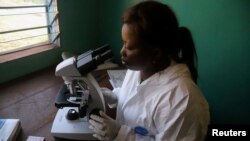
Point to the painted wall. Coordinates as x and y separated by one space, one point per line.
78 26
221 33
78 22
110 24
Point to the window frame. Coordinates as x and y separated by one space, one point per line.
52 26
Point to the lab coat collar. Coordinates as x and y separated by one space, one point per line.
172 72
155 82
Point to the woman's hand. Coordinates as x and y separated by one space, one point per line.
104 127
109 96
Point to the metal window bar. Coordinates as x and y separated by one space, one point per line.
29 37
48 26
47 10
34 6
31 6
54 19
29 13
17 30
50 3
57 36
24 29
16 7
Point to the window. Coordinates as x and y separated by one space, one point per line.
27 24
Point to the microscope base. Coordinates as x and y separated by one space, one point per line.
71 129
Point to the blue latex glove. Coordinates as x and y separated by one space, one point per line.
104 127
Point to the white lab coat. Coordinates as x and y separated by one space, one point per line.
168 104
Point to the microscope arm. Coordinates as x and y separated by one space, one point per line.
76 74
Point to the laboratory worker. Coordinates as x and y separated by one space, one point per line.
159 99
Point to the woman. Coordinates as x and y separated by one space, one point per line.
159 99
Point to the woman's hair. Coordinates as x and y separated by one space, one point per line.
156 25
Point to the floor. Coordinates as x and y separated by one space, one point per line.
31 99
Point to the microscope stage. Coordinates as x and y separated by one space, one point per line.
71 129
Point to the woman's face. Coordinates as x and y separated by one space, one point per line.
133 54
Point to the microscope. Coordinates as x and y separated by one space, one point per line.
80 96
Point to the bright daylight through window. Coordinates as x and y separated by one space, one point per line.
28 23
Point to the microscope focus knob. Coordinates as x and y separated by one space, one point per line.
72 114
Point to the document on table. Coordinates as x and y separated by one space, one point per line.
116 77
